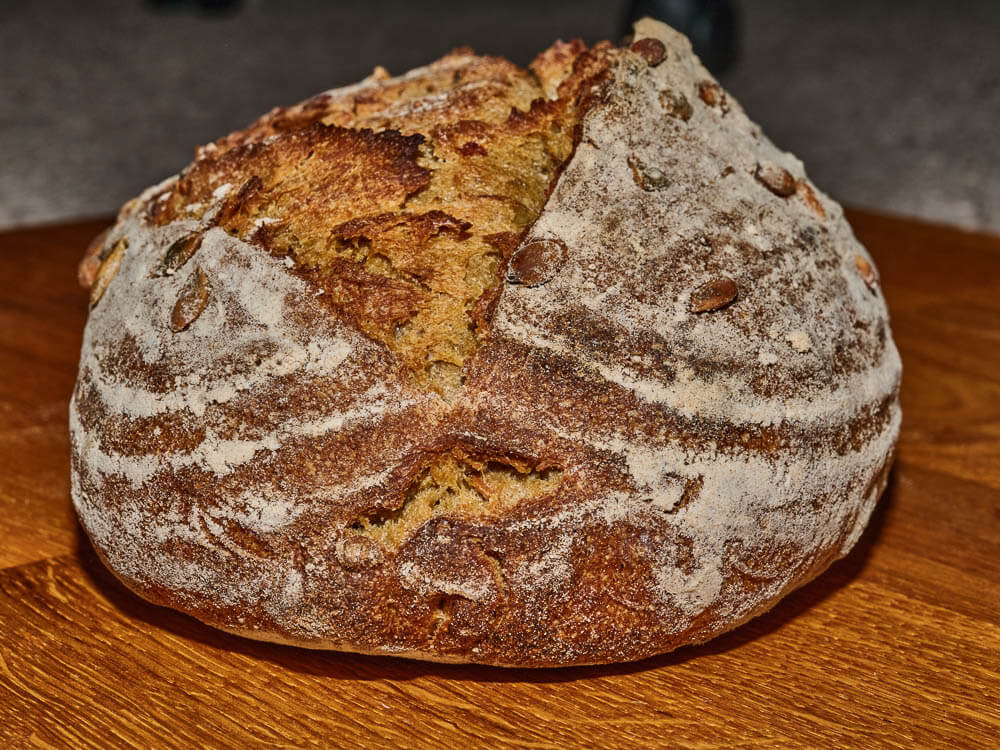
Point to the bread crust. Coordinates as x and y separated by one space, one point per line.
682 402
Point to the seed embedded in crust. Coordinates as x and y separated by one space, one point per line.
676 105
647 177
86 272
191 302
714 295
866 271
107 271
712 94
179 253
776 179
652 50
357 552
537 262
808 197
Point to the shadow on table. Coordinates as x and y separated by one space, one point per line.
337 665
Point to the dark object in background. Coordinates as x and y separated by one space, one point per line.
711 25
208 6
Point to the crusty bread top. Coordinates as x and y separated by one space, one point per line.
402 198
679 398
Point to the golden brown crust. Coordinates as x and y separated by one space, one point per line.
387 198
481 364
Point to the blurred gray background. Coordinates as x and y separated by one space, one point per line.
893 106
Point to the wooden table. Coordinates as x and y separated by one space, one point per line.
897 645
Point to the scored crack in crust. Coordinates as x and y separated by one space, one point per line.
402 200
523 367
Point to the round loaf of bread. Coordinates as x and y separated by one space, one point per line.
537 367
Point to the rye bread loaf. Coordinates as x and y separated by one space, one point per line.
534 368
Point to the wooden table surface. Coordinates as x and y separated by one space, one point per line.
897 645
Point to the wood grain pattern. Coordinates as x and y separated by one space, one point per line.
896 646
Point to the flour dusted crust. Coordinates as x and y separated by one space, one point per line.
675 401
